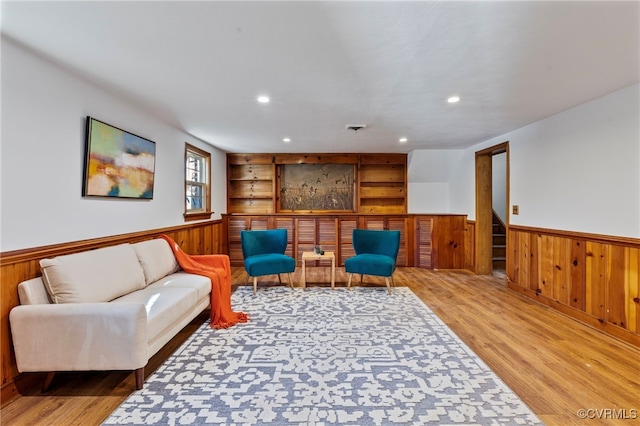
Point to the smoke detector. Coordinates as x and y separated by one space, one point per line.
355 127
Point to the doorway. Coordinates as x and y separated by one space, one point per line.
485 188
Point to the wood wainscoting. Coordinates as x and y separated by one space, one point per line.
440 241
20 265
592 278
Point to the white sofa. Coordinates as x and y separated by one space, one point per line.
106 309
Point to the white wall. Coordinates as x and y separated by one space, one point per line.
429 173
42 150
578 170
428 197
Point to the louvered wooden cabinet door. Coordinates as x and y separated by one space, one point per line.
234 226
327 237
260 223
345 231
288 224
399 224
305 236
375 223
423 242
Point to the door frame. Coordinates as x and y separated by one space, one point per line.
484 207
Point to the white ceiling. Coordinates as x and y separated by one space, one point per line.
390 65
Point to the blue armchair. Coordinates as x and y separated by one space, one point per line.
376 253
263 253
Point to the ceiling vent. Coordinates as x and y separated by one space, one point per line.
355 127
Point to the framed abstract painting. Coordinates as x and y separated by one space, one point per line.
117 163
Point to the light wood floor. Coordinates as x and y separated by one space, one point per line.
555 364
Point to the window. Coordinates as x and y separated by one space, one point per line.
197 183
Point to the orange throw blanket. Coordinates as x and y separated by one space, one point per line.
218 269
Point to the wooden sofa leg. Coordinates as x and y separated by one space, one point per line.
255 285
290 280
47 381
386 280
349 282
139 378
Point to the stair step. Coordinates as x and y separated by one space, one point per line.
499 249
499 240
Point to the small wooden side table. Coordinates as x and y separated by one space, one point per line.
309 255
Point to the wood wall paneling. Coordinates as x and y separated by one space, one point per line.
448 236
592 278
469 246
596 279
632 282
615 287
578 270
418 246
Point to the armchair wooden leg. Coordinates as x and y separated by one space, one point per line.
361 278
255 285
279 279
290 280
349 282
386 280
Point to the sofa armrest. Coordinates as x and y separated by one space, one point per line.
79 336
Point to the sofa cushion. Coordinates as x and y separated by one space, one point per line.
200 283
33 292
164 306
156 258
97 275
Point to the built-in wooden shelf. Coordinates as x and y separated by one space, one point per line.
380 181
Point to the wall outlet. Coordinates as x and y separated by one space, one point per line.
515 209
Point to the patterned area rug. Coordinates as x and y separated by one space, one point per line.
322 357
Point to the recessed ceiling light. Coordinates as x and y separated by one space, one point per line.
286 140
453 99
402 140
263 99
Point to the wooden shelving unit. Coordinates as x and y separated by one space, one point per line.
251 184
380 181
